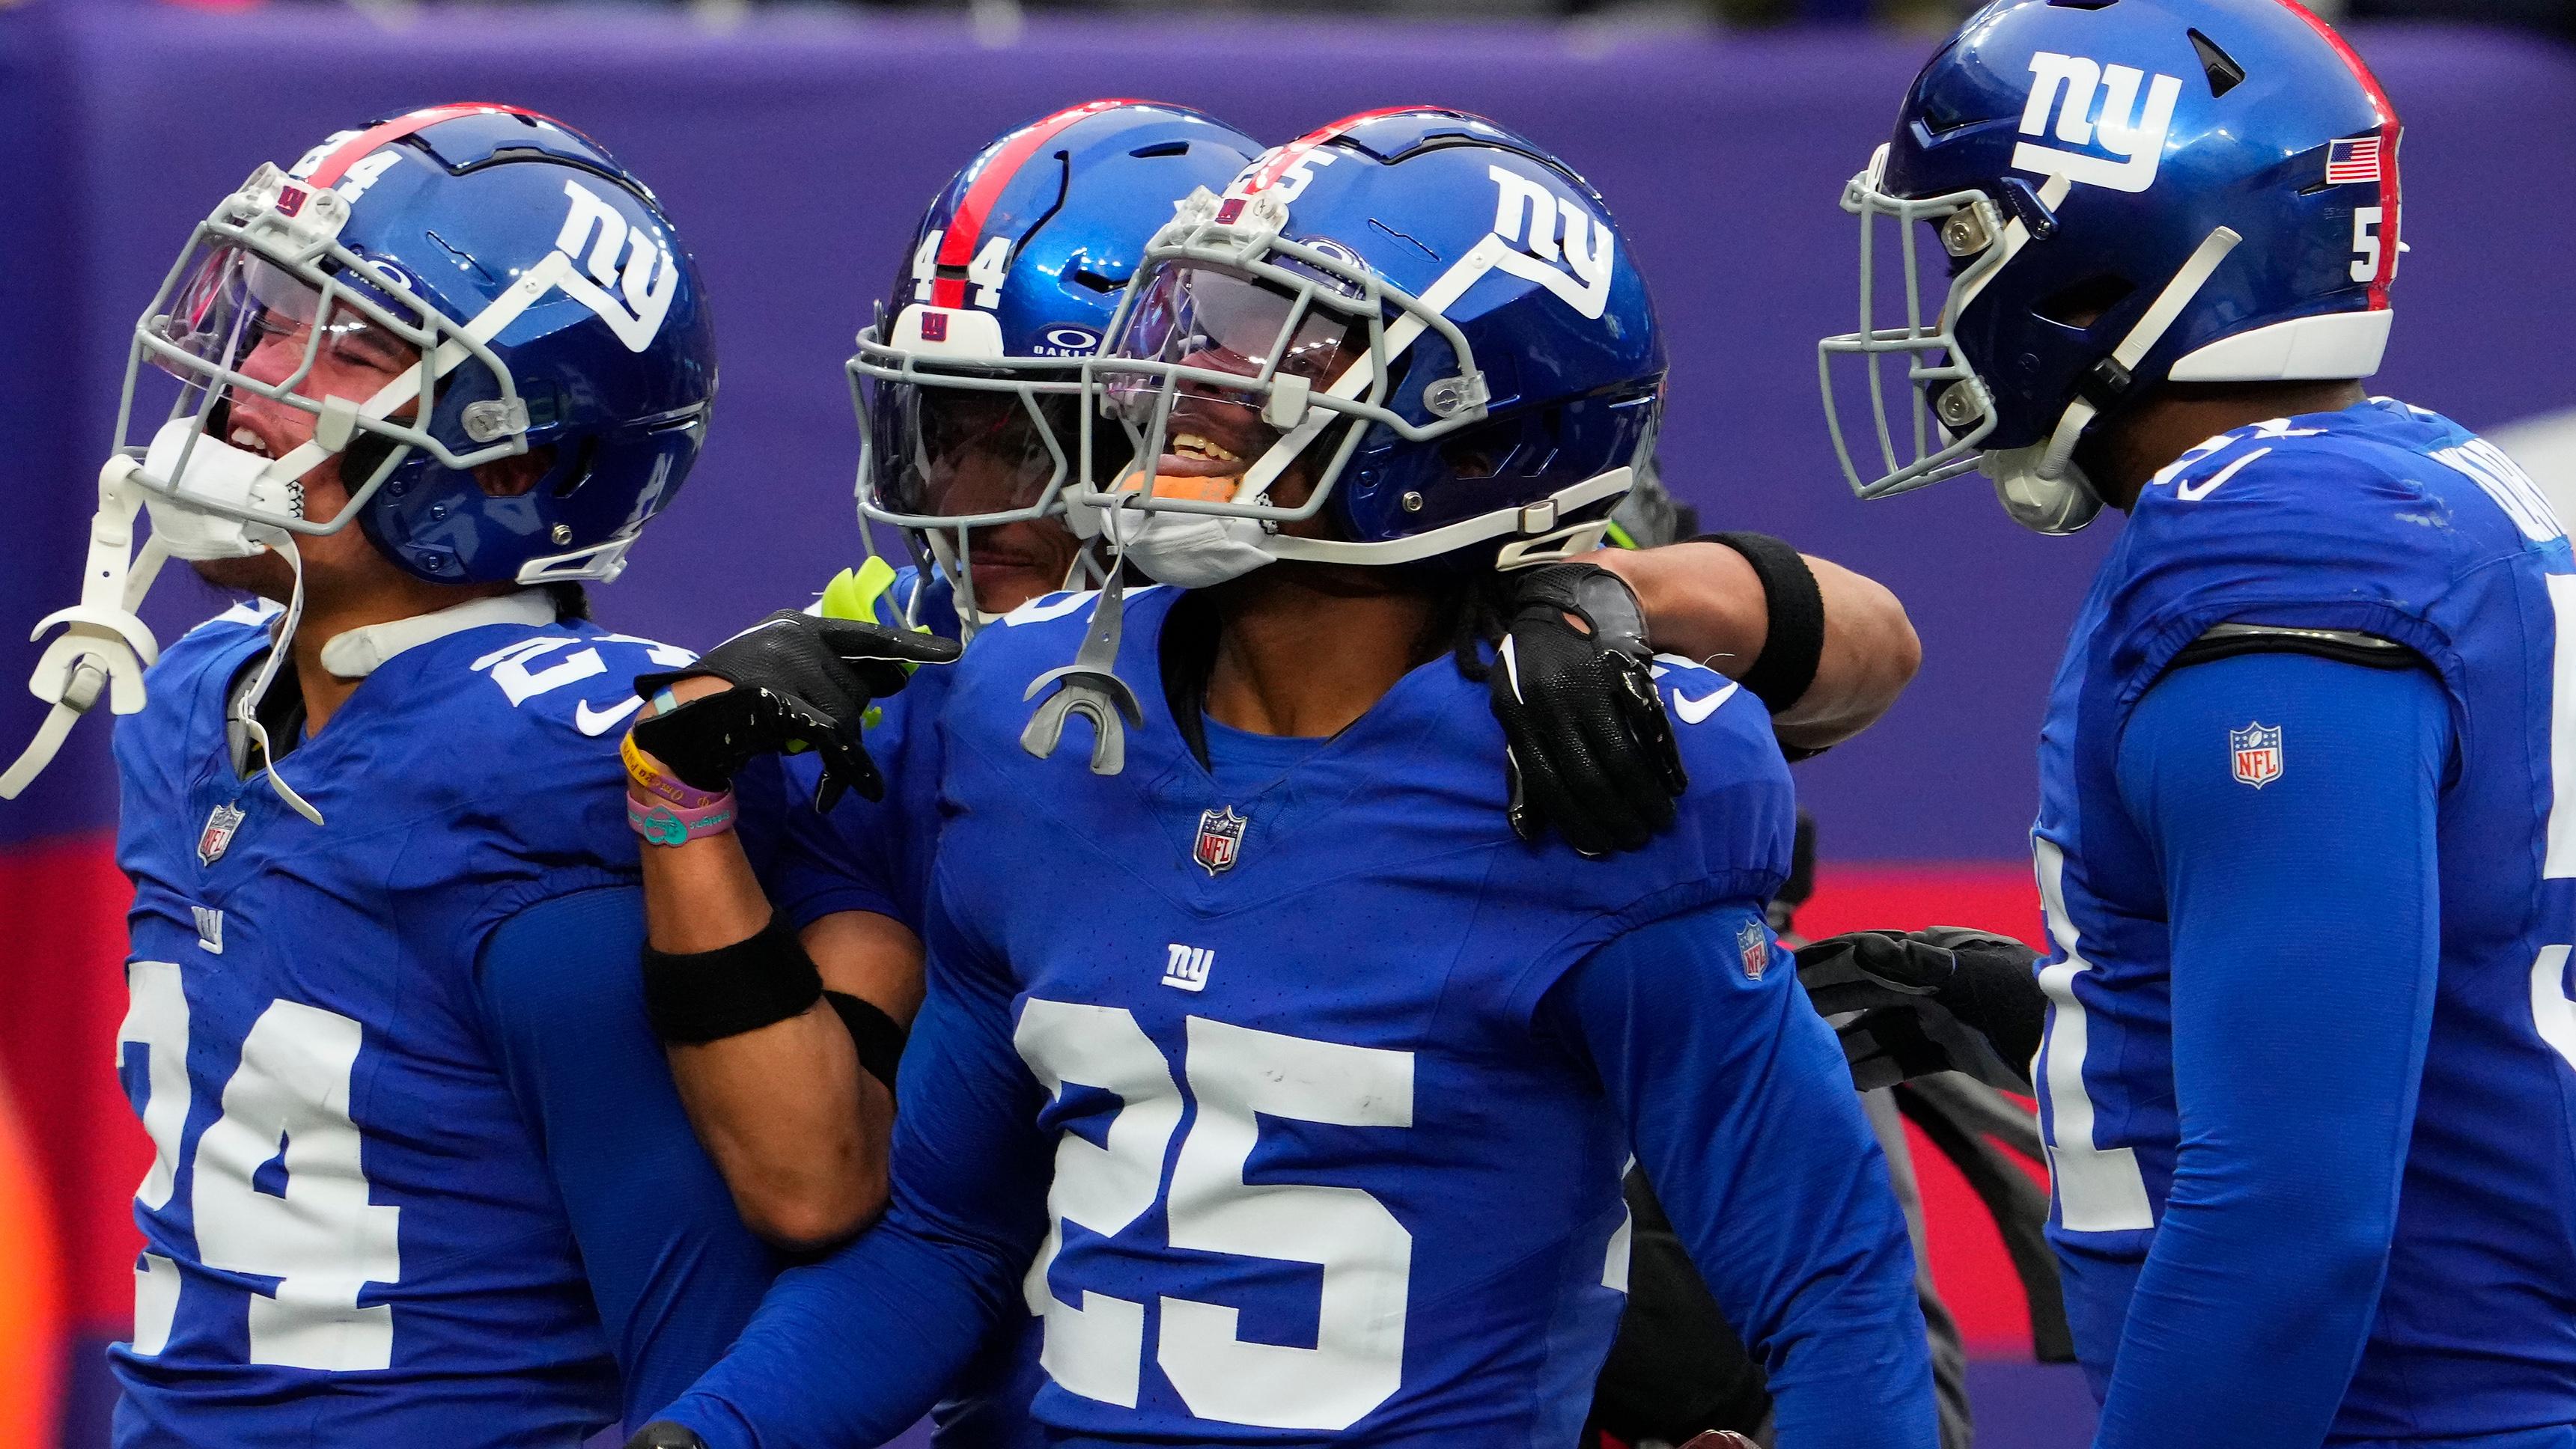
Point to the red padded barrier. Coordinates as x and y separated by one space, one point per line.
1967 1255
61 998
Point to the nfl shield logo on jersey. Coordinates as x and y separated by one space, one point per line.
2256 750
1220 839
1753 948
218 834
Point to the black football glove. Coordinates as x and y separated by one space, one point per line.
1589 748
1947 999
799 683
663 1434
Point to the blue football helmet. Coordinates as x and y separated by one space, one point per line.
495 284
2125 193
969 383
539 296
1412 324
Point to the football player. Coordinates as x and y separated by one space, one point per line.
1416 1046
2306 1068
971 448
419 1175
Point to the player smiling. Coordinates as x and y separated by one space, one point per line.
1415 1045
419 1176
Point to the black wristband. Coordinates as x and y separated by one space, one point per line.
879 1040
1796 639
703 996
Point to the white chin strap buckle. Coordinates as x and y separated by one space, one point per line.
103 649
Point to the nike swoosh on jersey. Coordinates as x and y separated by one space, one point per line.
2194 492
1693 711
600 721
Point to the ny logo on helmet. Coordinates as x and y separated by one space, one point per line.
1526 218
2136 137
647 281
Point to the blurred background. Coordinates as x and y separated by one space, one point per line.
795 145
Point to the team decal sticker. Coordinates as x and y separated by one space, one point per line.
2131 129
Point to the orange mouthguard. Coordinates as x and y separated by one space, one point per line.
1219 489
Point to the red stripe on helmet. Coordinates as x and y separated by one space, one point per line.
337 164
966 228
2390 128
1286 156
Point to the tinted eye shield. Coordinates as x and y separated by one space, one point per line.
249 259
1372 323
1036 383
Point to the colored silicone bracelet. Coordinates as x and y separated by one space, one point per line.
662 823
648 777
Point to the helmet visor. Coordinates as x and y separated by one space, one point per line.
238 313
976 455
1224 340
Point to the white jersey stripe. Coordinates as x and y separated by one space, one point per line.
2099 1190
2551 1011
2559 862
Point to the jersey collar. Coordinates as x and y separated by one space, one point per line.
362 651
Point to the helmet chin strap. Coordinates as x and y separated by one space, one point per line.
2040 485
244 726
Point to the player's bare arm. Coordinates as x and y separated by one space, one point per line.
806 1166
771 1030
1705 601
1588 750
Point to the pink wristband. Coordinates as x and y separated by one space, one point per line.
662 823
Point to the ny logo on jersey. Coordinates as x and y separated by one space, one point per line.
647 280
1527 216
210 929
2256 752
217 837
1753 948
1220 839
2134 136
1187 967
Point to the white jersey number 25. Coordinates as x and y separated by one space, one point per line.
1096 1347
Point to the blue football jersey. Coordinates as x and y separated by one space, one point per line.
1317 1169
350 1235
2394 522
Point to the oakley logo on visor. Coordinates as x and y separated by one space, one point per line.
1068 341
2134 136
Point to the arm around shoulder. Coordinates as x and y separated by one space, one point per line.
1828 666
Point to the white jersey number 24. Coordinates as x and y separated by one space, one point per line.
321 1239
